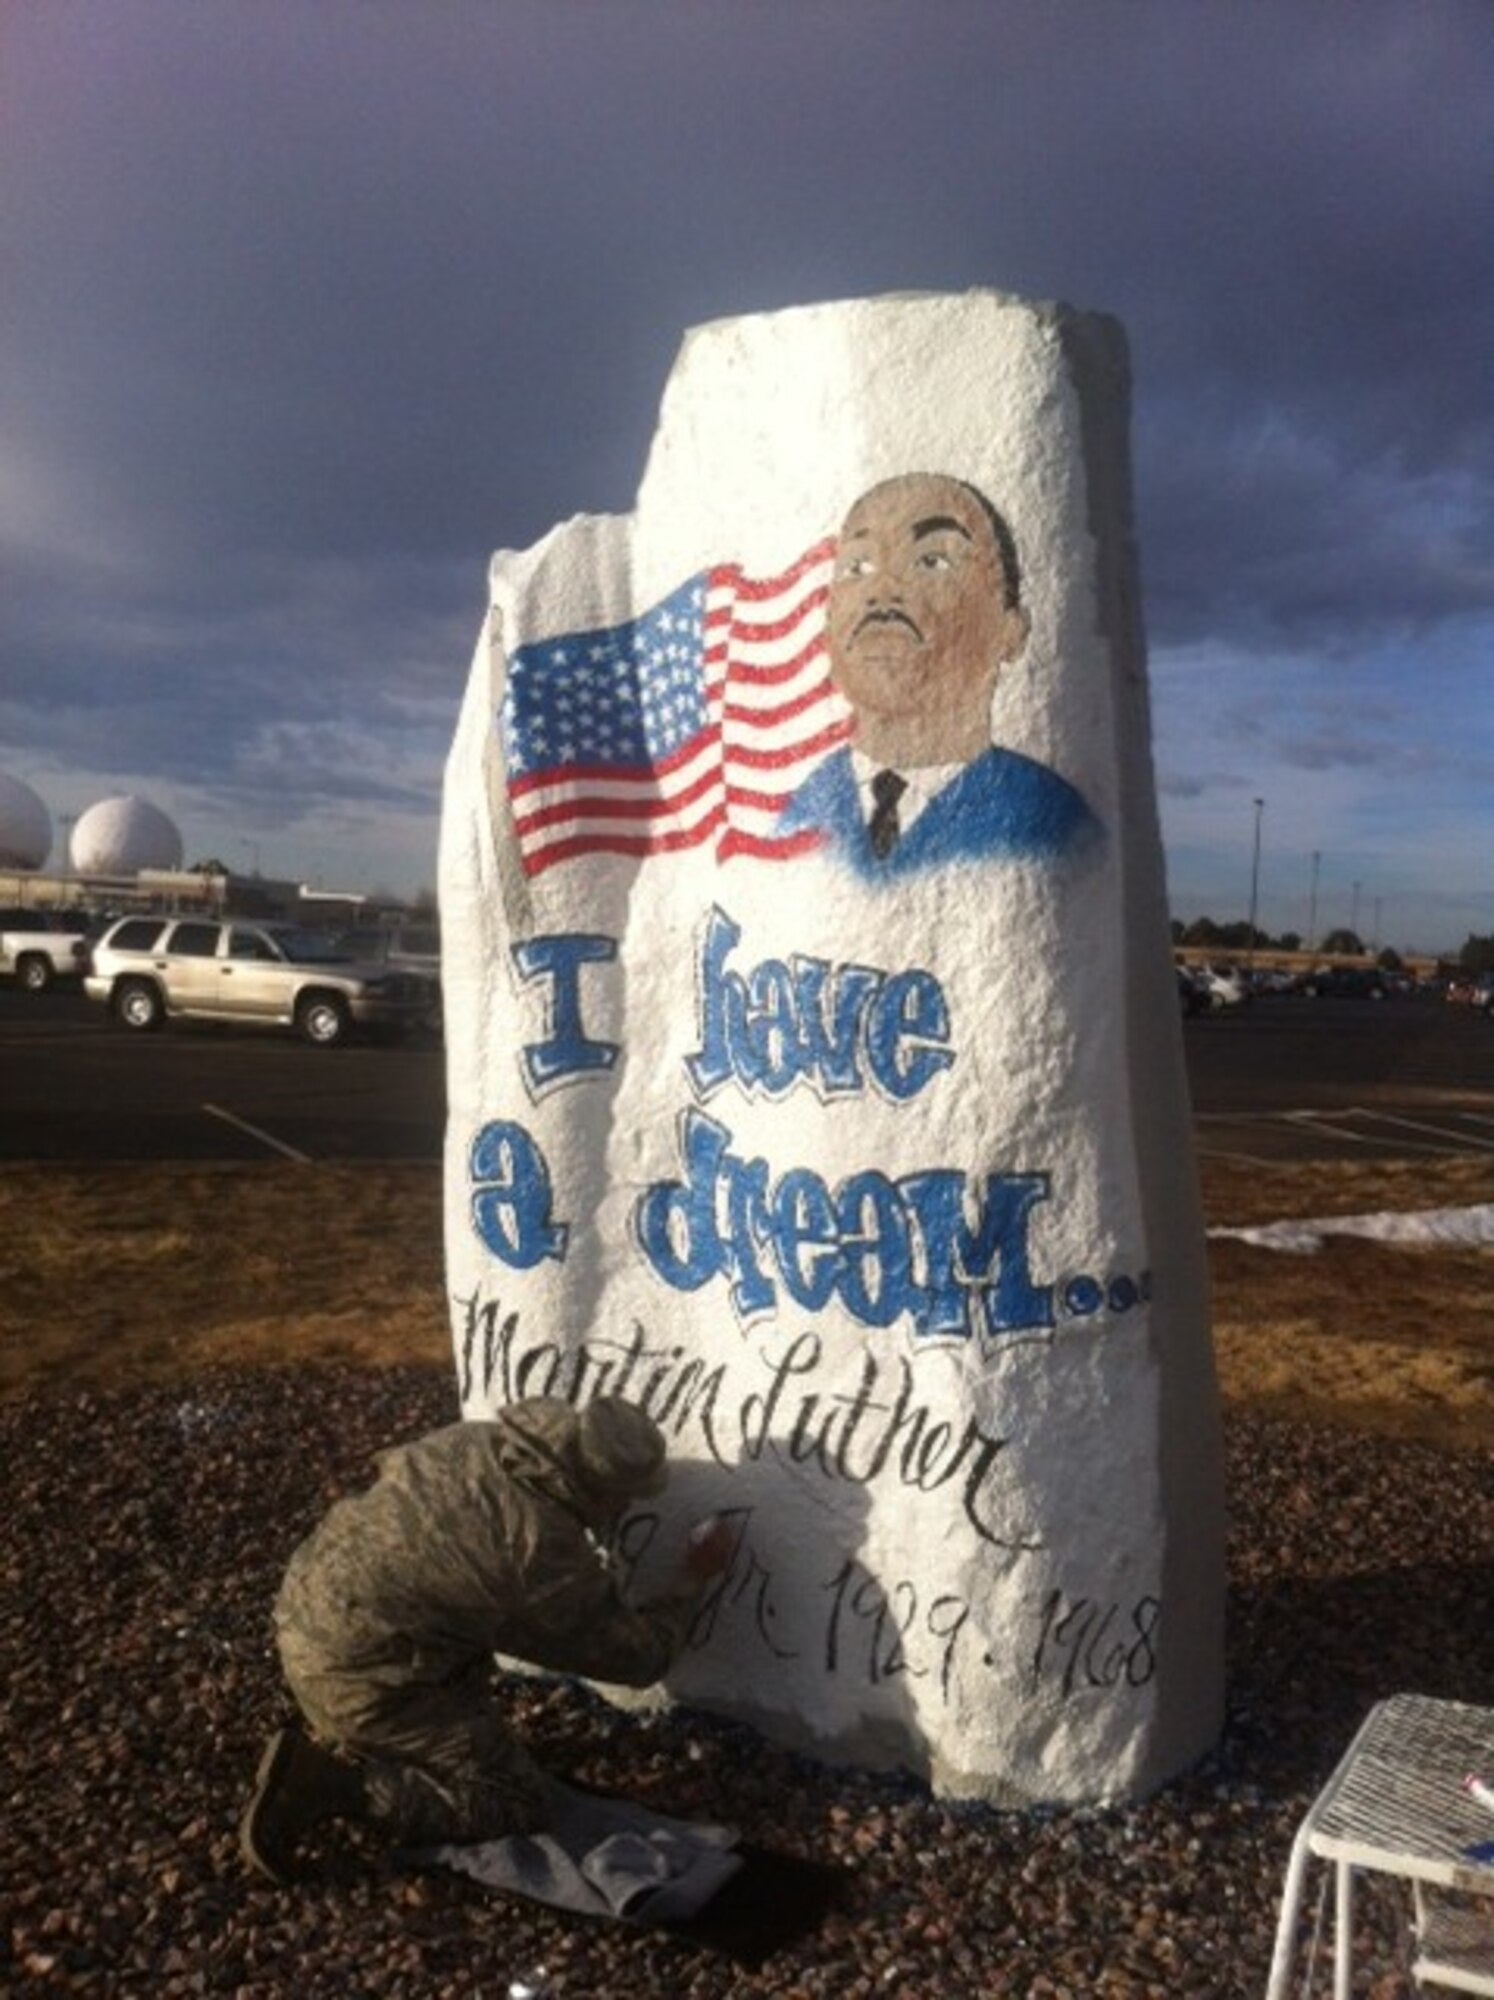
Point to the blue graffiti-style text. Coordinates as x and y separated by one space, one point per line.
567 1050
882 1247
511 1198
810 1022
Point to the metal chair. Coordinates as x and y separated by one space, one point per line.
1396 1806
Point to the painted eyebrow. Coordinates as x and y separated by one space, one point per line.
935 523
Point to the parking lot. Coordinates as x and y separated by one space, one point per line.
74 1086
1304 1079
1280 1079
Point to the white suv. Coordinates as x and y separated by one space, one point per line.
151 969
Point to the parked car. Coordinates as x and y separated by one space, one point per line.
148 970
415 947
1191 996
1224 986
1482 996
1271 979
38 947
1345 982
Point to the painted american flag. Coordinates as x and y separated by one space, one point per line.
691 724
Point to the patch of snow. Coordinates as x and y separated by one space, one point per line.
1469 1228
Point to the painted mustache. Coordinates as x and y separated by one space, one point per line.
888 616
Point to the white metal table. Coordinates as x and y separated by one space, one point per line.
1396 1805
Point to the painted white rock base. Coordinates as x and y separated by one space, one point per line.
814 1065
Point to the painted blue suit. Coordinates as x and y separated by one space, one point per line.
1000 806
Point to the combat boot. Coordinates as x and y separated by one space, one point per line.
298 1786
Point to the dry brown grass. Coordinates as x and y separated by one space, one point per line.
130 1273
1394 1340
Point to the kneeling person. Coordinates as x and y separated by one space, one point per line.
482 1538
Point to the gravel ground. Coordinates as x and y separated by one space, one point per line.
146 1533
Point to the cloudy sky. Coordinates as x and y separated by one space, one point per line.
307 305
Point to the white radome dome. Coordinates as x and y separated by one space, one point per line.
122 836
25 825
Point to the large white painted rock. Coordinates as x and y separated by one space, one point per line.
837 1119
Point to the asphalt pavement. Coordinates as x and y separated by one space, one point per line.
1290 1078
1280 1079
74 1086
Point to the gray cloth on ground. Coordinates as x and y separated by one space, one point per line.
604 1858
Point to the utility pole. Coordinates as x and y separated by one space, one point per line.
1312 903
1255 881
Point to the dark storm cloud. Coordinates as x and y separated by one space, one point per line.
380 283
263 676
1272 527
310 305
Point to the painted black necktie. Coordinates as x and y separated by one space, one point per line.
882 828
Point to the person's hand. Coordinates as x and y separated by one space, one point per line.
710 1547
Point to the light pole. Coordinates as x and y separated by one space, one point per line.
1354 912
1312 904
1255 881
253 847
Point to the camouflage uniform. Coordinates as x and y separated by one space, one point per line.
482 1538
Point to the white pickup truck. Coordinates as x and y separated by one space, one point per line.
36 949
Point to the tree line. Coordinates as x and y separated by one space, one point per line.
1203 931
1476 955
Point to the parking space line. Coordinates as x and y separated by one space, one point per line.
1324 1123
265 1138
1416 1125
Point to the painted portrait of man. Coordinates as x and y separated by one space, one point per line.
924 612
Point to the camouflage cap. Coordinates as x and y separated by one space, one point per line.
621 1449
